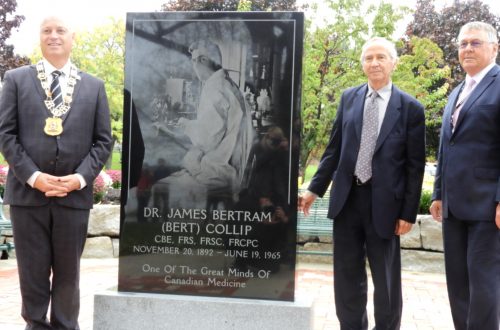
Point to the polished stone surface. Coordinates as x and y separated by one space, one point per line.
185 227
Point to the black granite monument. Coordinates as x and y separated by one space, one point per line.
210 153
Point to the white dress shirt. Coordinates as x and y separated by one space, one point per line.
384 94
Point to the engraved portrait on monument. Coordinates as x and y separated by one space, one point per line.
210 159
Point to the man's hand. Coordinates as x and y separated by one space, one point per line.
497 216
305 201
50 185
437 211
402 227
70 182
57 186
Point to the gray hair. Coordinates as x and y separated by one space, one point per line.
388 45
67 23
491 33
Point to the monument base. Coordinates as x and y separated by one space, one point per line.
124 310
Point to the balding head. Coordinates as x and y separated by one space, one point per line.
56 40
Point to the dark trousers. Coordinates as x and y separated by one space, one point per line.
49 240
355 239
472 260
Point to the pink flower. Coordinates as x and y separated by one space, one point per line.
99 185
4 169
116 177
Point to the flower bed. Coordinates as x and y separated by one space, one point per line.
105 181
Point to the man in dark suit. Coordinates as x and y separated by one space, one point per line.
55 134
467 187
376 162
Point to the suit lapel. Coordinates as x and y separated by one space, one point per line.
476 93
391 116
448 110
38 87
358 107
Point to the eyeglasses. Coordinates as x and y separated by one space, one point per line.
473 44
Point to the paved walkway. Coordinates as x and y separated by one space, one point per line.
425 299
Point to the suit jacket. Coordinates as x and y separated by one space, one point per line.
398 161
83 147
468 172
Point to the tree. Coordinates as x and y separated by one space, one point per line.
423 73
332 64
200 5
9 60
229 5
101 52
442 27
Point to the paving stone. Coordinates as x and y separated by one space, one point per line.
424 295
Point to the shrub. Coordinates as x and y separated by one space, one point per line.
3 178
101 185
425 202
116 178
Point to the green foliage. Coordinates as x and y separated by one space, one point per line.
385 19
425 202
331 64
309 173
200 5
116 163
423 73
101 52
442 27
98 197
229 5
245 5
329 67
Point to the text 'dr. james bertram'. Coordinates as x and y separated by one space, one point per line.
203 214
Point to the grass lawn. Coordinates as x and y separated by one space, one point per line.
310 170
116 163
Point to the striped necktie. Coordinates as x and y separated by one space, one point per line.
55 88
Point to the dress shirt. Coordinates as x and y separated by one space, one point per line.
63 78
481 74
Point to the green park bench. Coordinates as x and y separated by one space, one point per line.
5 227
316 224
